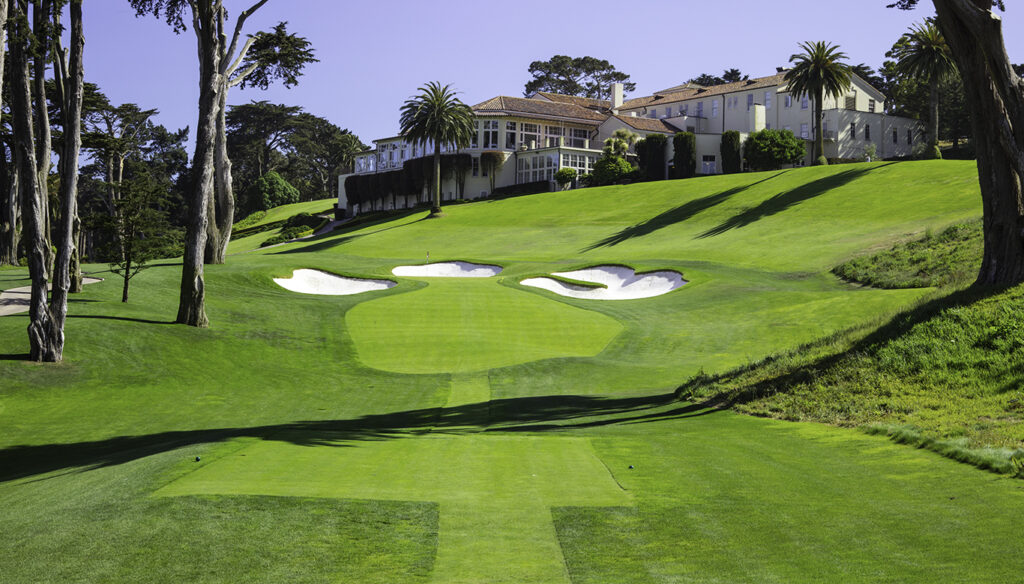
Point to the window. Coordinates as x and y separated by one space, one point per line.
529 134
867 131
654 113
871 105
476 166
853 130
803 131
767 100
895 136
803 102
700 109
685 109
553 135
789 100
714 108
750 101
708 164
490 133
910 136
578 137
474 139
510 135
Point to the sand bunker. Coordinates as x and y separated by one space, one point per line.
317 282
17 300
448 270
621 283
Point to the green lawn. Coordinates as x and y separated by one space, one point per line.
478 430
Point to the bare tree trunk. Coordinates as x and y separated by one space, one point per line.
995 98
933 121
41 23
192 300
36 246
223 207
819 135
72 114
9 201
435 209
76 257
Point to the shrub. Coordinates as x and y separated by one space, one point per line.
821 161
610 169
270 190
685 158
564 176
530 188
770 149
651 153
732 159
288 234
253 219
303 220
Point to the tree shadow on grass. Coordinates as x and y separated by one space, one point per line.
122 318
528 414
783 201
331 239
679 214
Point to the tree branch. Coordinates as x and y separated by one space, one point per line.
238 27
241 76
241 55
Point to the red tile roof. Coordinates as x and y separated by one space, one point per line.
671 97
526 107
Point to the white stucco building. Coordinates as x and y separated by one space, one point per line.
544 132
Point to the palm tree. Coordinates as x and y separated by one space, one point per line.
819 72
925 55
436 115
620 143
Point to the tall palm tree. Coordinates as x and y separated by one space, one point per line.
436 115
925 56
819 72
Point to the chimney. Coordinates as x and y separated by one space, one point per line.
780 69
616 97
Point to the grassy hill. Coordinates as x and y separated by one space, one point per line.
455 431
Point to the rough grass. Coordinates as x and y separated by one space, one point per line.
950 258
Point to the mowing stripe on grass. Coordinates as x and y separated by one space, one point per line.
495 492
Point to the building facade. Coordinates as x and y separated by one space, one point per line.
536 136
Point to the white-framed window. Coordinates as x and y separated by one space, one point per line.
708 165
700 109
490 133
714 108
867 131
474 141
654 113
789 100
804 102
871 105
578 137
528 133
750 101
510 135
552 134
476 166
804 132
767 100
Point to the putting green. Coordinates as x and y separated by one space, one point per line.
469 324
495 491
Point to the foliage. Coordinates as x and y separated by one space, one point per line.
530 188
270 190
565 175
581 76
926 57
728 76
870 151
732 157
249 221
288 234
950 258
770 149
491 162
684 158
275 55
609 170
620 142
138 230
651 156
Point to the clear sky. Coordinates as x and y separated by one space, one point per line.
373 55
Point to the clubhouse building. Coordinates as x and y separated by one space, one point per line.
537 135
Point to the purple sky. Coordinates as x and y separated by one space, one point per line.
373 55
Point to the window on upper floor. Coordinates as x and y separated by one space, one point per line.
578 137
474 140
490 133
700 109
789 100
750 101
867 131
767 100
654 113
714 108
871 105
685 109
804 102
529 133
553 135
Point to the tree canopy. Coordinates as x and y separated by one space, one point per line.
727 76
580 76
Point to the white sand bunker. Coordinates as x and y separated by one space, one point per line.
317 282
448 270
621 283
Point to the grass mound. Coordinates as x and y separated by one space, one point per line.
949 258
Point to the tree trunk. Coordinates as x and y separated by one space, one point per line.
819 137
995 98
72 114
192 300
127 278
36 248
40 17
933 115
9 198
76 258
222 206
435 209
